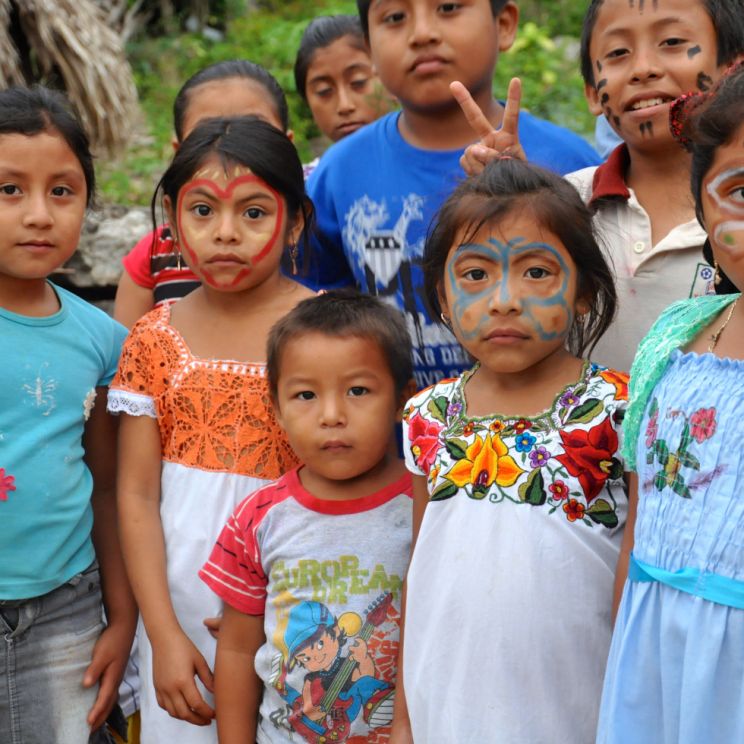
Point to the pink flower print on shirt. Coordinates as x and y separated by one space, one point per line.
7 484
424 437
703 424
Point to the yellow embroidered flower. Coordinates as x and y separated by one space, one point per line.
486 462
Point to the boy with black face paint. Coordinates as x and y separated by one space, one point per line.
376 191
636 58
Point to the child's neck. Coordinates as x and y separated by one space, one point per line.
386 472
526 393
31 297
660 179
446 128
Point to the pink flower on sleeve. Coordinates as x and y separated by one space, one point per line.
703 424
7 484
424 437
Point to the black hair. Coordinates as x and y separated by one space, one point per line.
344 313
504 187
363 7
709 126
728 21
320 33
38 109
231 68
241 140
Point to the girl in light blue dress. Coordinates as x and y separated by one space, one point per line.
676 666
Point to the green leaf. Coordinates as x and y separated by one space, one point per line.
602 513
584 413
686 439
532 491
661 450
616 471
654 408
444 492
688 460
438 408
457 448
479 492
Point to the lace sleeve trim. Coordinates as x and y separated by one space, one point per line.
133 404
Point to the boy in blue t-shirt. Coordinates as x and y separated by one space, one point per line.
376 191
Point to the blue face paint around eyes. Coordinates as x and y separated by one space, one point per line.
500 254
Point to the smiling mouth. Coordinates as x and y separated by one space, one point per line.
646 103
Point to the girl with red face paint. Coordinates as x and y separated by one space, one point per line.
198 432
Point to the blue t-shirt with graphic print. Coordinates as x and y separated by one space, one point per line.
51 367
375 196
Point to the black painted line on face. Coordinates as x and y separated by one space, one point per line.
599 66
704 82
601 84
605 97
694 51
616 121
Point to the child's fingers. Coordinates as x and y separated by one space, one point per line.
476 118
510 122
476 158
213 625
204 673
197 706
107 693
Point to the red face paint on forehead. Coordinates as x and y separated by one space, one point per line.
223 195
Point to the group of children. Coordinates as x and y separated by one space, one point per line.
296 580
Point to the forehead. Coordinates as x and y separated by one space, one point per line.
634 15
38 154
300 354
729 156
236 96
334 58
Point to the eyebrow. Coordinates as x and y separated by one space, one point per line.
350 68
208 193
660 23
13 173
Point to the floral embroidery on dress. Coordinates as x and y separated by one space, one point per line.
7 484
563 459
698 426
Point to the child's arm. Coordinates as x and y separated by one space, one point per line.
112 649
175 658
493 143
132 301
401 729
237 686
621 573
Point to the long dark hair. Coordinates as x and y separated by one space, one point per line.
506 185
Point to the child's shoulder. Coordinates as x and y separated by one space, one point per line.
445 388
90 319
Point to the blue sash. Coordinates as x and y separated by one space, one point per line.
710 586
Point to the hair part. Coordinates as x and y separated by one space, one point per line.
510 186
711 125
248 141
728 21
363 7
344 314
319 34
38 110
228 70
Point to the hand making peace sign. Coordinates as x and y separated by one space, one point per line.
493 143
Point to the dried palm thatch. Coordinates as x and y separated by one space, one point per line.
66 43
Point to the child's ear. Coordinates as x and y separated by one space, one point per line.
592 98
170 216
582 307
410 389
290 135
507 21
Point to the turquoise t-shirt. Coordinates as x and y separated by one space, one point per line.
50 369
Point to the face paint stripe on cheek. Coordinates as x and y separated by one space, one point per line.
713 189
730 235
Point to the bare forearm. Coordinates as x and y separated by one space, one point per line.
238 696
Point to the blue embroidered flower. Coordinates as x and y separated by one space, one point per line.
524 442
539 457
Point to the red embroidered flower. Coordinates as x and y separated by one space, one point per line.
468 429
588 456
7 484
559 489
703 424
522 425
497 426
574 510
652 429
424 437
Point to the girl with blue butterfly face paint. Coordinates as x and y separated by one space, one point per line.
519 490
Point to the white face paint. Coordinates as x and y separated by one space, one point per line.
726 191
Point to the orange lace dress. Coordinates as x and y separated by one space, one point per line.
220 441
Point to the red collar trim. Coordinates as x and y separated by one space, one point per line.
609 178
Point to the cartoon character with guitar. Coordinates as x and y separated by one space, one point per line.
337 686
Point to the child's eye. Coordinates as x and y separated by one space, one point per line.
393 18
475 275
537 272
254 213
61 191
615 53
449 7
305 395
201 210
674 41
737 195
10 189
358 390
323 92
359 84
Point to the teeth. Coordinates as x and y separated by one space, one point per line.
647 103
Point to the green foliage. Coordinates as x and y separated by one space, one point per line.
549 69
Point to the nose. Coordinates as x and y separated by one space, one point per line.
38 213
645 66
505 297
345 103
332 411
424 29
226 228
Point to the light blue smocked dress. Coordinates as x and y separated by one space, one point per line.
676 668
